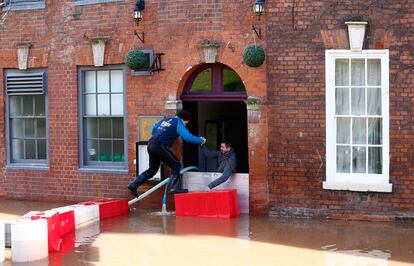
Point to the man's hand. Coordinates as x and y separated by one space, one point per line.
204 140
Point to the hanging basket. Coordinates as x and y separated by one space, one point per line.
136 59
253 55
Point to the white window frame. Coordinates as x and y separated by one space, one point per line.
355 181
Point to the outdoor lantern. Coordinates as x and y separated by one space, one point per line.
139 7
258 7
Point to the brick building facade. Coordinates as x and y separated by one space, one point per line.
285 137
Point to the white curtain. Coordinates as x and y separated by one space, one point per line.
357 96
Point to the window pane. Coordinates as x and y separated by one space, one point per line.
119 151
374 101
343 130
375 160
358 72
117 83
343 159
374 72
30 149
359 130
15 109
232 81
118 128
358 160
92 150
91 128
90 81
203 82
90 104
358 101
103 104
17 149
27 105
17 128
105 128
375 131
105 150
342 72
41 128
29 128
117 104
41 149
40 105
103 81
342 101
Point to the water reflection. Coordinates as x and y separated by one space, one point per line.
145 238
149 238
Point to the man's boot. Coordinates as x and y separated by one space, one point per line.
133 186
176 186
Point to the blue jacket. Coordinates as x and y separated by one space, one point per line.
168 129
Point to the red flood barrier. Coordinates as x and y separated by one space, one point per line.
220 204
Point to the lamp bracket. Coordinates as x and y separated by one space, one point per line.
157 64
139 37
258 33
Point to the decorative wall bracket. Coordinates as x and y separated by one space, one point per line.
157 64
98 50
258 33
23 54
142 39
253 103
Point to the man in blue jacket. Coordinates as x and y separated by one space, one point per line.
164 133
226 159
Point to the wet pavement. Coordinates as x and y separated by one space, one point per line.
147 238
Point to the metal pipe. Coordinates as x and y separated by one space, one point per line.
148 192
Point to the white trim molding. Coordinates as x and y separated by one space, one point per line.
378 182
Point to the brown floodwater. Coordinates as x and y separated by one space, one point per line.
145 237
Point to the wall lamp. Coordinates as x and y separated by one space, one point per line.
258 9
139 7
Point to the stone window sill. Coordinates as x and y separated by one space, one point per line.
362 187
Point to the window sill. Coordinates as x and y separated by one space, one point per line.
103 170
23 6
27 167
90 2
362 187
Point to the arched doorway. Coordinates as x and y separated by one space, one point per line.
215 94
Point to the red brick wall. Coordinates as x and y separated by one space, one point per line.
296 45
61 35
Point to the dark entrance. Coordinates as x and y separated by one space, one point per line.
215 95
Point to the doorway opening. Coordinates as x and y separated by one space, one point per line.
215 94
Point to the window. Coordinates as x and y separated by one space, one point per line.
357 119
26 117
23 4
89 2
212 81
103 124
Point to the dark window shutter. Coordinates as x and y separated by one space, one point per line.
26 84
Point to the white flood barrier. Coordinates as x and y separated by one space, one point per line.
85 214
198 181
2 240
29 240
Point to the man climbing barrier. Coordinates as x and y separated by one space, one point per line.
164 133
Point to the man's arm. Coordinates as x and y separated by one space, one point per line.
208 153
186 135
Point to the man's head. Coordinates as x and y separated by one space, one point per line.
184 115
225 145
